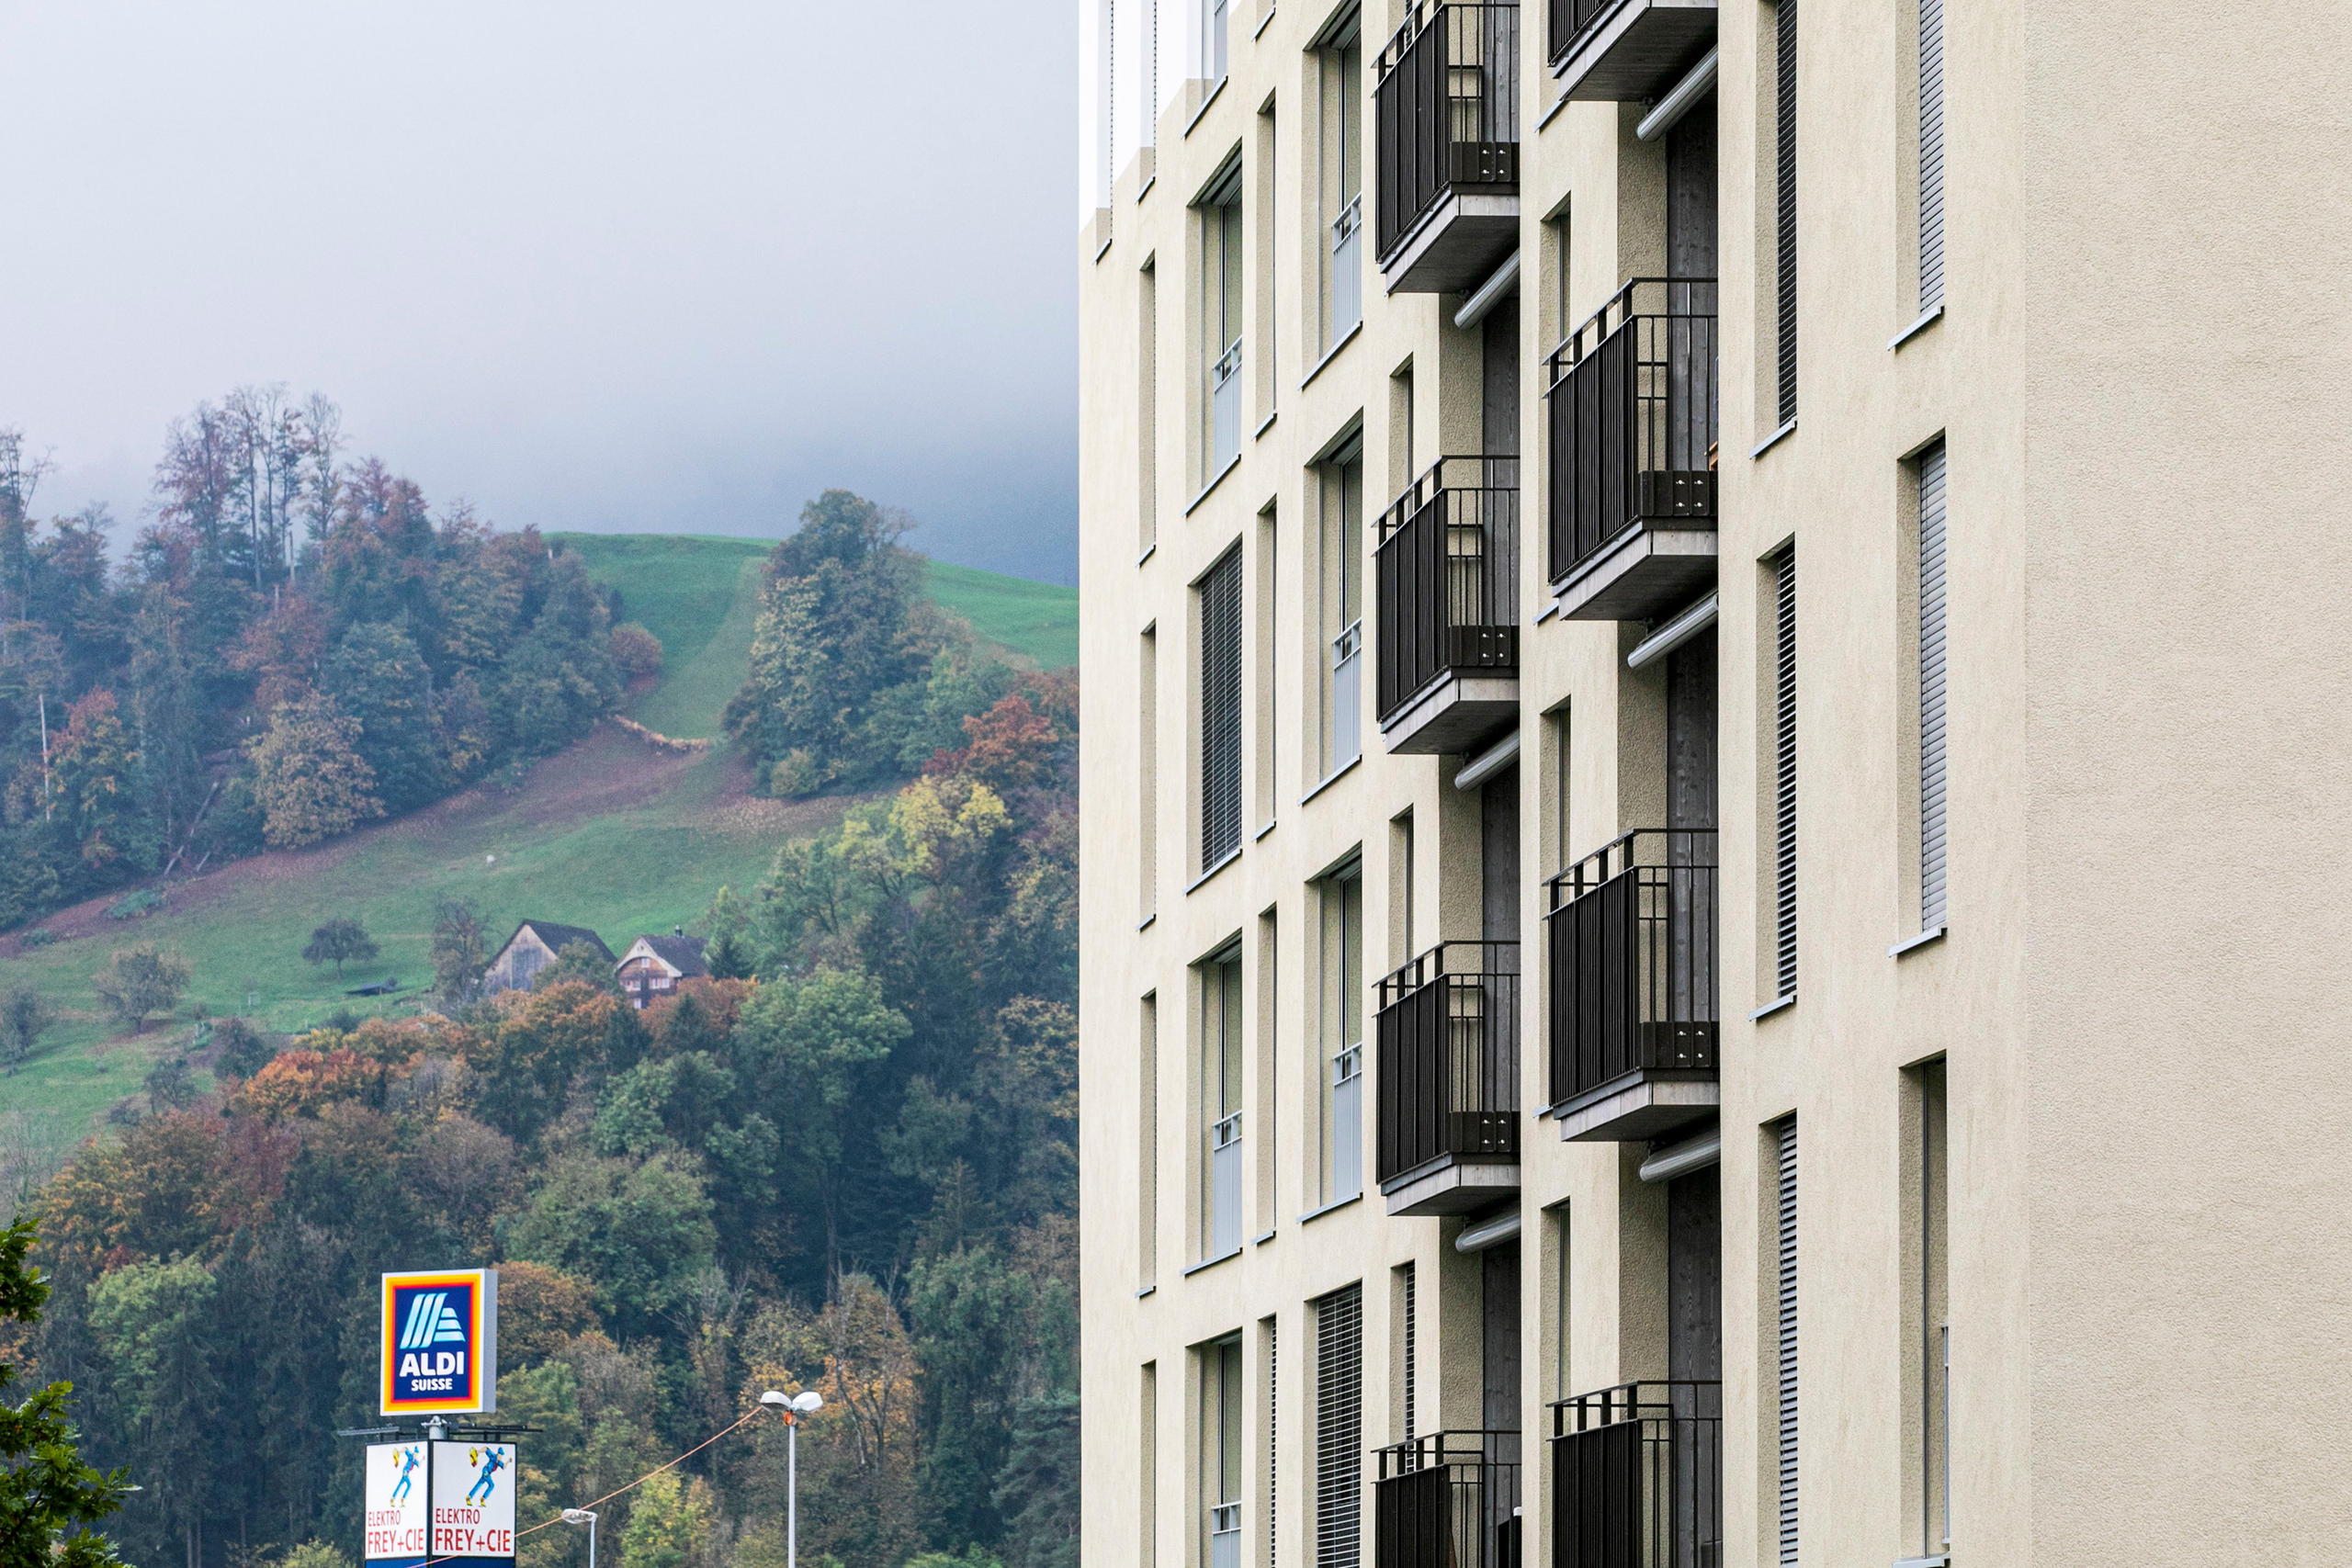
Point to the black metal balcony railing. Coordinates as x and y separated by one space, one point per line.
1448 575
1446 108
1573 21
1635 395
1449 1056
1448 1500
1632 952
1637 1477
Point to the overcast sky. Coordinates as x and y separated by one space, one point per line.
665 267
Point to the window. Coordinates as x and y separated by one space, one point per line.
1148 774
1404 1319
1784 772
1558 322
1213 41
1272 1481
1220 351
1932 772
1554 849
1261 654
1269 1069
1219 989
1219 598
1784 1312
1148 407
1339 644
1338 1428
1263 217
1926 1329
1931 154
1400 889
1784 65
1148 1146
1340 176
1220 1434
1340 899
1148 1468
1556 1240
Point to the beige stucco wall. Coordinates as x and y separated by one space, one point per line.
2138 376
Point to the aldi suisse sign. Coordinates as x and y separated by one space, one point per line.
440 1342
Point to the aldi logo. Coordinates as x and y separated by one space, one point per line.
440 1342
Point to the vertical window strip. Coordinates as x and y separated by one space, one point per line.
1147 1146
1785 771
1413 1386
1148 407
1338 1428
1147 772
1274 1440
1148 1471
1220 596
1932 770
1931 154
1786 1341
1785 70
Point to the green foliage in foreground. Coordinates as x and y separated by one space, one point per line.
49 1499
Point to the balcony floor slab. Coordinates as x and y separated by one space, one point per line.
1454 713
1458 245
1639 52
1450 1186
1642 573
1637 1106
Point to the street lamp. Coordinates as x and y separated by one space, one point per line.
584 1517
807 1402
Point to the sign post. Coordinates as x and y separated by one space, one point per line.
442 1492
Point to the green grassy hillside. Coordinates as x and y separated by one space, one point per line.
611 834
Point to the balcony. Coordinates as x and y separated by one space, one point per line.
1626 51
1634 1020
1446 114
1637 1477
1448 591
1634 400
1448 1043
1448 1500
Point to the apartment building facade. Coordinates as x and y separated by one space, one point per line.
1711 934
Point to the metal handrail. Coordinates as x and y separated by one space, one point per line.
1446 103
1634 399
1448 1500
1447 576
1638 1476
1631 935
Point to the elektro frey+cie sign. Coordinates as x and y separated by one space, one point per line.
440 1342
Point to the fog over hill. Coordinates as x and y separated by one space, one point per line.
582 266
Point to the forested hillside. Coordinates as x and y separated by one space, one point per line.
849 1165
292 646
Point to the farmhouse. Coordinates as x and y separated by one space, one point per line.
531 949
654 965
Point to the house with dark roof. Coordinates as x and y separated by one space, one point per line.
531 949
653 965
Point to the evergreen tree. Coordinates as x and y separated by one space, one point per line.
377 676
49 1497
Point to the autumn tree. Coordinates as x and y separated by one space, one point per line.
137 981
338 942
637 652
92 766
309 777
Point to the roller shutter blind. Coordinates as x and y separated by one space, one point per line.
1784 745
1785 1349
1931 154
1220 595
1931 689
1785 224
1339 1429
